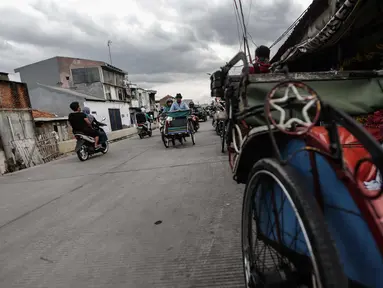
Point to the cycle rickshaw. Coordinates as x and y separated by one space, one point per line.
309 218
178 126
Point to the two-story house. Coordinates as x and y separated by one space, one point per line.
54 83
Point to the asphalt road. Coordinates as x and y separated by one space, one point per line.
92 224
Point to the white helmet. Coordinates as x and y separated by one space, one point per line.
143 110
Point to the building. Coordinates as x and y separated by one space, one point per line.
162 101
17 130
56 100
48 123
56 82
141 98
335 34
91 77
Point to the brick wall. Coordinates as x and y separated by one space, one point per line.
14 95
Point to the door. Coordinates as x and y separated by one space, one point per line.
115 119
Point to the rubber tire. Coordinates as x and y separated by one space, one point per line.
165 141
329 266
223 139
150 133
79 156
192 138
103 151
141 137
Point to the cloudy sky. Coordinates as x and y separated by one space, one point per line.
166 45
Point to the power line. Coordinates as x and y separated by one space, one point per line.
248 16
251 39
238 24
246 43
288 29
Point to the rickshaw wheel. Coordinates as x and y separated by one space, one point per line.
318 265
223 138
192 137
165 140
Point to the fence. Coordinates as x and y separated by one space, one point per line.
34 151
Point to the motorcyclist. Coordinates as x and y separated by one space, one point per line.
91 118
144 117
94 122
194 111
179 104
192 107
81 124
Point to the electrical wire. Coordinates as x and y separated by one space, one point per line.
288 29
236 13
248 16
251 39
246 43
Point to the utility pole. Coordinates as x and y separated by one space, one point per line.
110 55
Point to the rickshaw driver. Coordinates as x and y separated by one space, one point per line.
179 104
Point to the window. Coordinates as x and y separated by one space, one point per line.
120 94
109 77
85 75
119 80
108 93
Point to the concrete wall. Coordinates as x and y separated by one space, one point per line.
95 89
44 72
53 101
64 130
65 64
101 108
21 126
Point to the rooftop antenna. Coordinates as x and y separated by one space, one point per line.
110 55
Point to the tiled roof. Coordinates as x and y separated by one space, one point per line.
42 114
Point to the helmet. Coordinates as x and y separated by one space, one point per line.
191 104
143 110
179 96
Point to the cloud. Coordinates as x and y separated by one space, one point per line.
159 42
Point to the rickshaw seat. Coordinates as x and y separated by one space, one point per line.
352 152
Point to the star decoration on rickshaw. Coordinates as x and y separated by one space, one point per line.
310 99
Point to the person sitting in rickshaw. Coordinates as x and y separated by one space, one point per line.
261 62
168 105
179 104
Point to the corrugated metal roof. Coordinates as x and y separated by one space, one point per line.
72 92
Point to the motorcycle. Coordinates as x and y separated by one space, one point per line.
161 122
85 144
143 130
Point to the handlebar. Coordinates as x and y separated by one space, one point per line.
240 56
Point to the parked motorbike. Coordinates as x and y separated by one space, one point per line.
85 144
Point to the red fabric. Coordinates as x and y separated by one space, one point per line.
352 152
375 122
259 67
